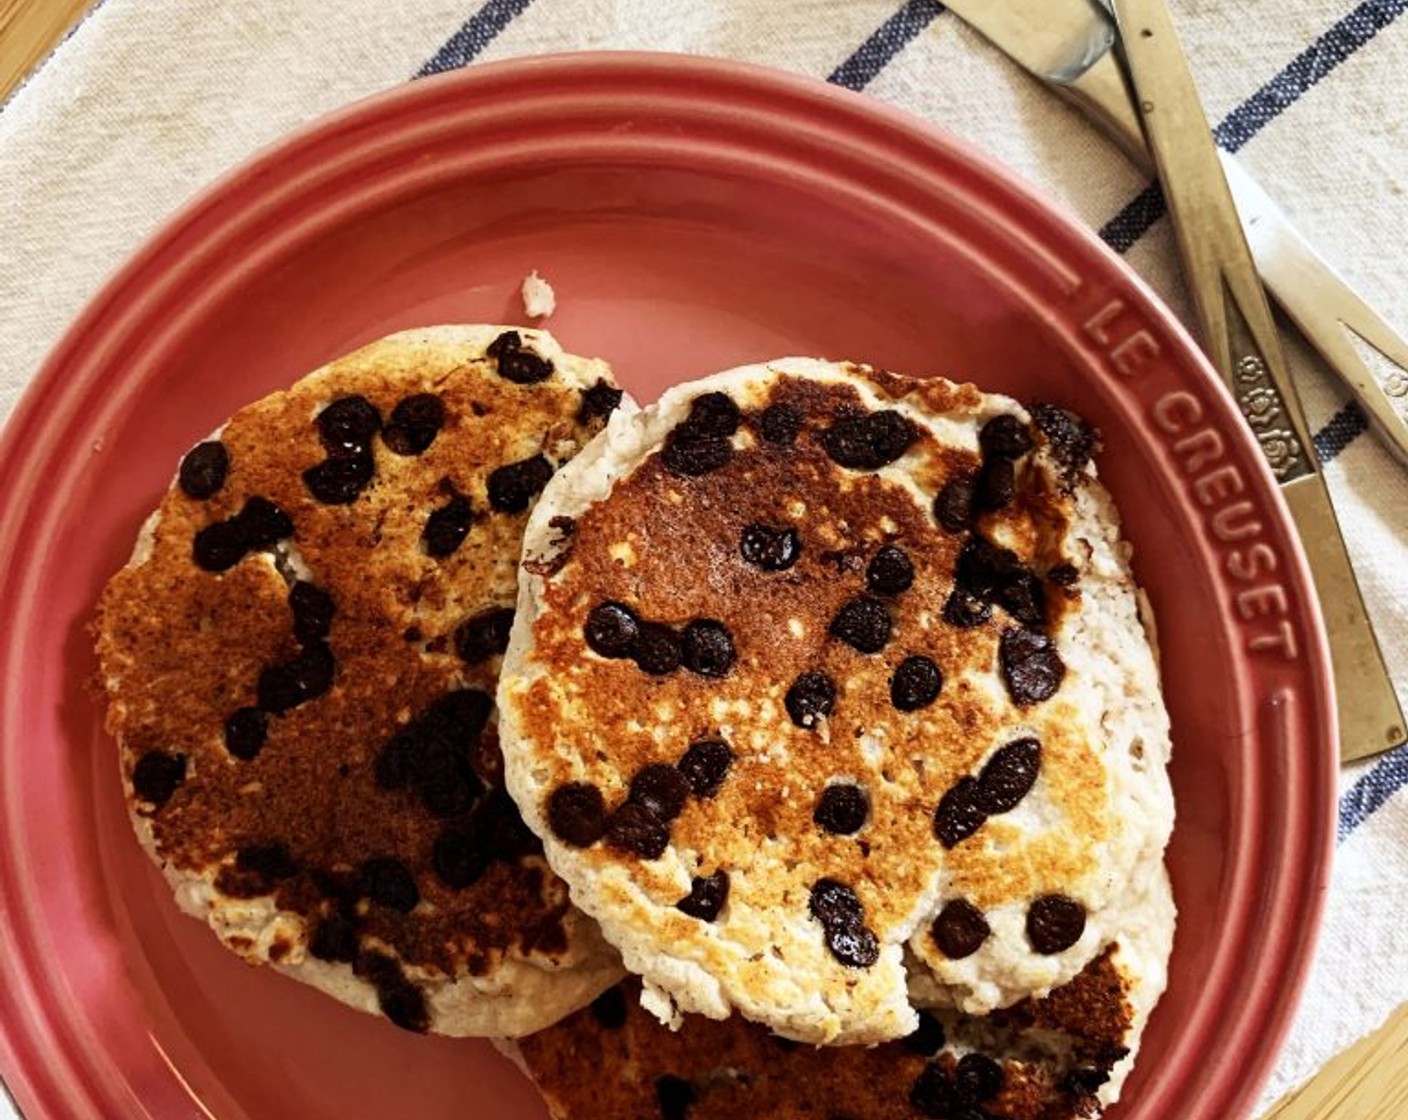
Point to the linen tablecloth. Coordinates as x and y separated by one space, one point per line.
150 100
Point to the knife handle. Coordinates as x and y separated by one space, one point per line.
1335 320
1370 718
1247 353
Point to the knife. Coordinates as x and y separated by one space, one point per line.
1068 44
1242 340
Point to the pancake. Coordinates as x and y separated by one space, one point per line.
810 658
300 660
1057 1058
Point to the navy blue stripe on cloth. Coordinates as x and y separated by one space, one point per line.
1367 795
1340 431
1303 72
891 37
1135 220
468 43
1306 69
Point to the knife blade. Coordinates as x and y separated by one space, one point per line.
1068 45
1241 338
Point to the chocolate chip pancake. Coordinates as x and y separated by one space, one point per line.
814 664
1057 1058
300 661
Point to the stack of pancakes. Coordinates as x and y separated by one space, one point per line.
823 694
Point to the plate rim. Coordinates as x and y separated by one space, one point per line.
23 445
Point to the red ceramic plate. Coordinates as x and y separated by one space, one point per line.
692 215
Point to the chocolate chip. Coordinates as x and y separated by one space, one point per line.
1085 1081
314 667
870 441
1004 437
842 809
953 505
932 1093
1064 575
219 546
447 527
1009 776
916 684
978 1078
460 714
994 574
291 683
577 814
270 862
706 648
498 828
984 568
928 1038
674 1097
601 400
513 487
660 788
157 775
313 611
448 789
958 815
388 882
657 649
263 523
1054 923
964 610
833 903
863 623
711 416
400 1001
693 457
415 422
890 571
1031 667
813 694
609 1009
339 481
522 367
611 630
348 423
334 939
780 423
706 897
245 732
853 945
204 469
996 486
960 929
634 828
705 765
484 635
457 860
404 1005
439 743
772 550
1024 598
1071 439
